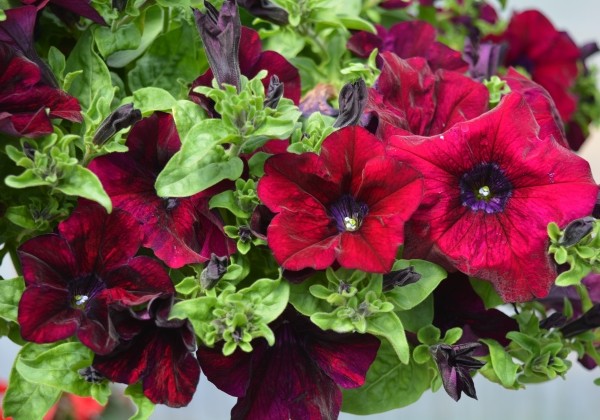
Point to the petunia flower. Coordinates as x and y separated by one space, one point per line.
408 39
156 352
252 59
347 205
457 305
491 188
73 276
77 7
409 97
549 56
455 363
299 377
180 230
26 103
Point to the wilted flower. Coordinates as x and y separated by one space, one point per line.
455 364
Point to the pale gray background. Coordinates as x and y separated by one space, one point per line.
576 398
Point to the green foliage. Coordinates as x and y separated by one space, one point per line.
310 136
235 317
389 384
144 407
497 89
485 290
582 257
10 294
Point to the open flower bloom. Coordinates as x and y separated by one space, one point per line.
180 230
492 186
299 377
550 56
252 59
78 7
348 204
73 276
406 40
410 98
26 103
155 351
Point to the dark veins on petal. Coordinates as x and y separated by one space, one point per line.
486 188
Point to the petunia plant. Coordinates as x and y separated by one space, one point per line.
319 205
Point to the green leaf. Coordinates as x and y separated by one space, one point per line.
25 180
389 326
81 182
186 115
504 367
303 301
57 365
417 317
110 40
200 163
10 294
152 22
95 80
27 400
144 406
150 99
175 55
273 296
409 296
485 290
388 385
56 60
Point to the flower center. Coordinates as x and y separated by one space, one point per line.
83 289
485 187
348 214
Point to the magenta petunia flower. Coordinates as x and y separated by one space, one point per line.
78 7
408 39
347 205
72 278
409 97
299 377
491 188
156 352
180 230
550 56
252 59
26 103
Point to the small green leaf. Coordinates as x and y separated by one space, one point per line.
150 99
485 290
186 115
144 406
81 182
10 294
57 62
504 367
409 296
110 40
389 326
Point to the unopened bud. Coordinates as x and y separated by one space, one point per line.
352 101
576 231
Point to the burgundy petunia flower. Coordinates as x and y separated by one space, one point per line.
156 352
491 188
299 377
408 39
347 205
73 276
26 103
409 98
548 55
78 7
180 230
457 305
253 59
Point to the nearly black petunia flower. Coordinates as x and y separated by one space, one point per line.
77 7
455 363
299 377
26 103
72 278
155 351
180 230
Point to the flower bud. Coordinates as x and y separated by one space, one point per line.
400 278
576 231
122 117
266 10
214 270
352 101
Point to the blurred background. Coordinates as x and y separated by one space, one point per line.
575 398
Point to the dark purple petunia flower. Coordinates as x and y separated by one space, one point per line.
77 7
455 363
253 59
73 276
26 103
406 40
180 230
457 305
154 351
299 377
17 32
